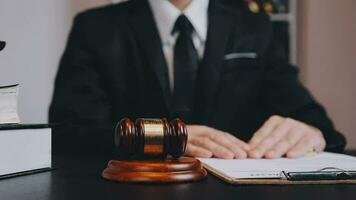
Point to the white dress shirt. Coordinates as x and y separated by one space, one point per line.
165 15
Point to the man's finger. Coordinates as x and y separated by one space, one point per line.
304 146
228 142
266 128
270 140
288 142
196 151
217 149
238 142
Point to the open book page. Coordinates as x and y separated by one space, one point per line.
273 168
8 104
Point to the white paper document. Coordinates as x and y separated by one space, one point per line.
273 168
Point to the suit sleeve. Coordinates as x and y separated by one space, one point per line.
284 95
81 108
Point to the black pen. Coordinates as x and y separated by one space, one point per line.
321 175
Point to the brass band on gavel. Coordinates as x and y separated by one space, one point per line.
150 138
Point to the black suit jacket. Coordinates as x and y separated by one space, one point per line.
114 67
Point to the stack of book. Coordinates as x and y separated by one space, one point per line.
24 148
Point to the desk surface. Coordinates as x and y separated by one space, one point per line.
71 181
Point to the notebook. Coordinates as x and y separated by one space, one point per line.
316 168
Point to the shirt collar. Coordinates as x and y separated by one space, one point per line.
166 14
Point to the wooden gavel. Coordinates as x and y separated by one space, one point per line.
150 138
143 147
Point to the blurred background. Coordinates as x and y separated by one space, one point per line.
320 36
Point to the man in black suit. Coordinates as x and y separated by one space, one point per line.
218 68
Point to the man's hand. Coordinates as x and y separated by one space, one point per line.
206 142
281 136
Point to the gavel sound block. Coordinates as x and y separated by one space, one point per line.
150 150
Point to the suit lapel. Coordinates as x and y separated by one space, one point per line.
144 27
221 25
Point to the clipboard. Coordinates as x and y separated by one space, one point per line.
291 178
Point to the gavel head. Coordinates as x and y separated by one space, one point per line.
150 138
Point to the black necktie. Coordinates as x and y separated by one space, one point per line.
186 62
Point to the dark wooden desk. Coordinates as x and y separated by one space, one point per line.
74 181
